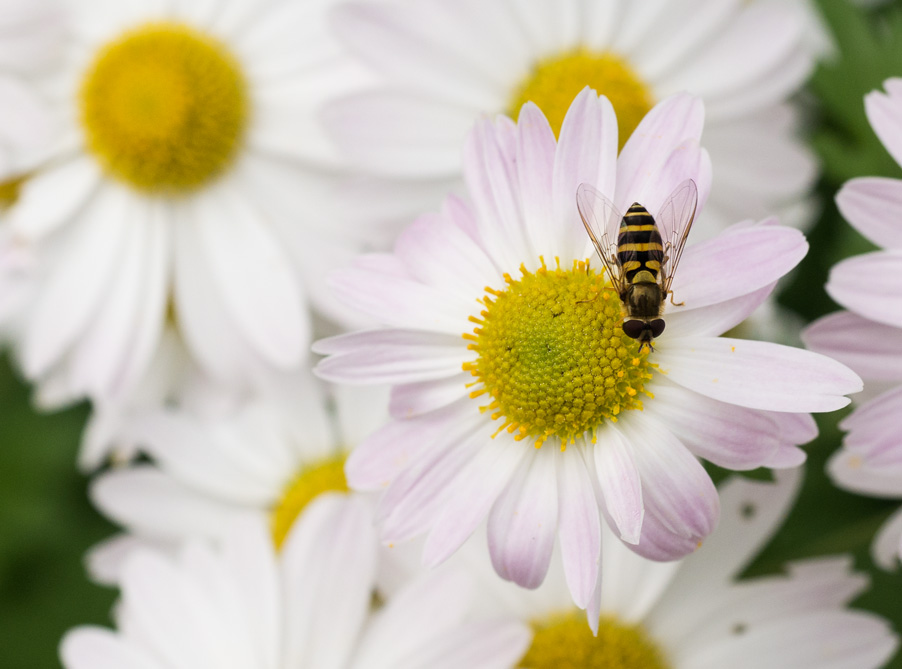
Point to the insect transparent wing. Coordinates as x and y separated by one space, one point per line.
602 221
674 221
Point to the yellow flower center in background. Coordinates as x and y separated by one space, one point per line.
164 108
566 642
554 82
553 357
313 480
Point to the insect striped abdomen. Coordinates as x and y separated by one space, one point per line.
640 249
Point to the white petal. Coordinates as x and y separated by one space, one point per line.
328 571
53 197
256 281
883 113
98 648
887 547
758 375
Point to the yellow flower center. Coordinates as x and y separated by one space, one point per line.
313 480
566 642
554 82
552 355
164 108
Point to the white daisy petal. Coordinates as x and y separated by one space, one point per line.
887 547
72 184
98 648
758 375
335 544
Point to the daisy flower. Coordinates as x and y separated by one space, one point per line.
443 63
182 188
244 606
698 613
271 454
868 337
516 395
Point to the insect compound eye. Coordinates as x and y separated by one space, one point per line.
657 327
633 329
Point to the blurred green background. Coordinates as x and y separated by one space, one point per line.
46 523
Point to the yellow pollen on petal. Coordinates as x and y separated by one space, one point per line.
565 641
313 480
553 358
164 108
554 82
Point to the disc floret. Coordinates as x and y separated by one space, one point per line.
552 356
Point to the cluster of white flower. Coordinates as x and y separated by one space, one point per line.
197 191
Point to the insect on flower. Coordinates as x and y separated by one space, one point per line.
640 253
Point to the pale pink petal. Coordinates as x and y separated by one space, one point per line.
675 487
687 161
852 471
885 115
756 374
390 357
99 648
715 319
420 493
586 153
471 495
873 350
401 301
536 146
887 547
490 173
618 479
786 457
873 205
523 521
669 124
414 399
881 272
437 252
873 429
579 526
725 434
752 257
660 543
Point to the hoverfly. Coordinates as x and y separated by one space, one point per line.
640 253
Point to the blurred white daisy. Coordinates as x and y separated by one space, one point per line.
501 336
444 63
185 187
868 337
31 44
698 613
310 606
271 454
